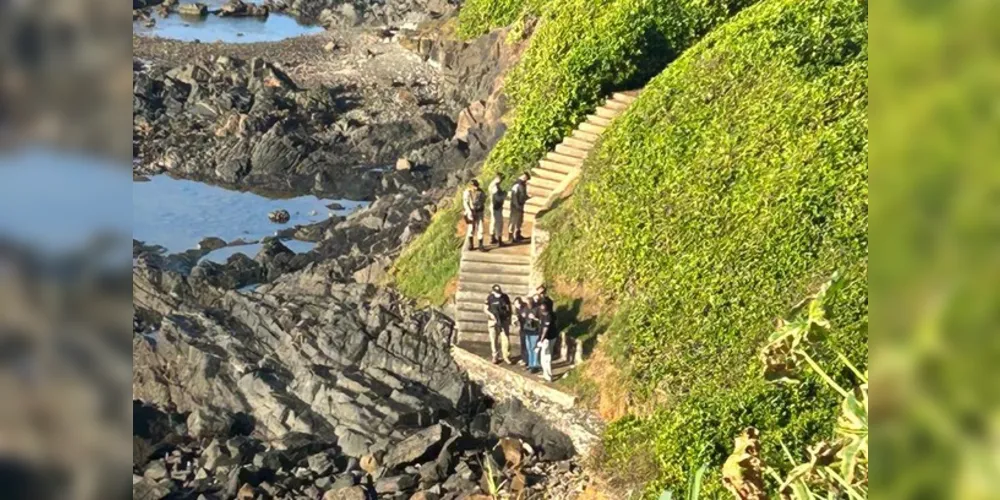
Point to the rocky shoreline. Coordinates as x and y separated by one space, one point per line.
298 375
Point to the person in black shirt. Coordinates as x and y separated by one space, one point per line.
548 333
498 310
542 297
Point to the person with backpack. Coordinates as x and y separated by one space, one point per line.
498 310
473 206
518 197
497 197
548 333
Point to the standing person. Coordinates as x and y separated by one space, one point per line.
548 333
518 197
474 204
520 311
542 297
529 333
497 197
498 309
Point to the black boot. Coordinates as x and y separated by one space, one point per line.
481 247
468 245
493 240
519 238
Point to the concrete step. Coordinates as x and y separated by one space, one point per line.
585 136
479 296
565 159
597 120
486 282
591 128
485 288
606 112
581 144
499 254
503 280
625 97
531 207
542 182
496 257
561 168
565 149
616 105
538 191
495 268
548 174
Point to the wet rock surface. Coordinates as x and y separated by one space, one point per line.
307 389
340 13
247 123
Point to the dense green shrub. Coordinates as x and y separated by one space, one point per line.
581 51
423 270
478 17
734 186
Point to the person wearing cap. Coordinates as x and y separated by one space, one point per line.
518 197
474 206
498 310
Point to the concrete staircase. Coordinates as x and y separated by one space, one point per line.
511 266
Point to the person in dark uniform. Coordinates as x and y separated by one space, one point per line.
548 333
498 309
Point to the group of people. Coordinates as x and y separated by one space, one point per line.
534 317
474 202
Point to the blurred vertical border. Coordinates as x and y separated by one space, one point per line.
935 382
65 215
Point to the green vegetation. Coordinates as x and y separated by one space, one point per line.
424 270
735 185
478 17
582 50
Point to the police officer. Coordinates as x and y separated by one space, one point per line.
497 197
474 205
518 197
499 311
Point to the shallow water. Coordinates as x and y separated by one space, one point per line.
177 214
58 202
212 28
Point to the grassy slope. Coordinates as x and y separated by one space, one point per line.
733 186
582 50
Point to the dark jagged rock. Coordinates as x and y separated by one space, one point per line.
238 8
417 446
247 124
279 216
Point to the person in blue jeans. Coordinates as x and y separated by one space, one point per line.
529 332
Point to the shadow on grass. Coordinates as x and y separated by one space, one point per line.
579 331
